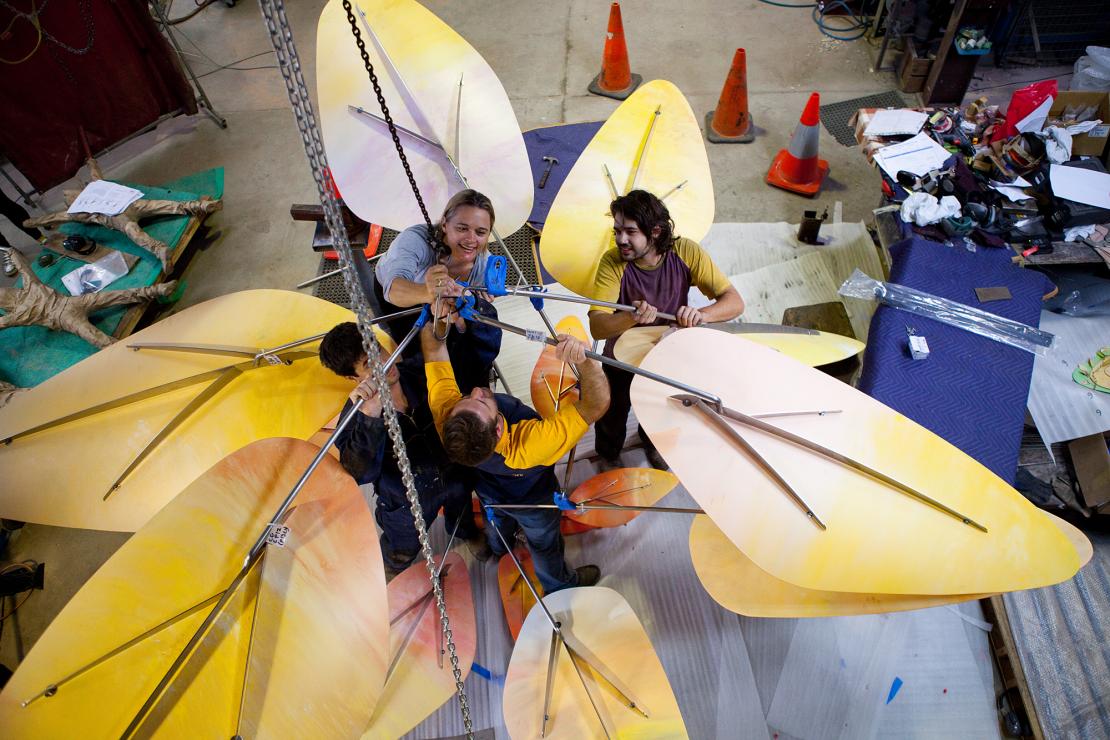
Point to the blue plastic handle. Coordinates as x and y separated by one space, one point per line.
491 517
497 270
422 318
563 502
465 304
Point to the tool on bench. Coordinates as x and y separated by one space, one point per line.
550 162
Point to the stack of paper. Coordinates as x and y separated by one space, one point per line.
108 198
895 122
918 155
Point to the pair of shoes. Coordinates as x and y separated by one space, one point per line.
480 549
588 575
655 460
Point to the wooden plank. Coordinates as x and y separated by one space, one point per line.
1009 662
144 313
1064 253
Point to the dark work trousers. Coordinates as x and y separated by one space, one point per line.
545 542
17 215
394 515
610 429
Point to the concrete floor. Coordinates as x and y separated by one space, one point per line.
546 54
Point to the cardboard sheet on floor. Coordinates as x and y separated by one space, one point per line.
946 691
1061 636
31 354
744 248
1061 408
837 675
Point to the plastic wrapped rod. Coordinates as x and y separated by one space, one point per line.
1000 329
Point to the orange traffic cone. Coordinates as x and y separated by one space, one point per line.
616 79
731 123
797 168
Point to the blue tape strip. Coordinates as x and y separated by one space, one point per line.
487 674
894 687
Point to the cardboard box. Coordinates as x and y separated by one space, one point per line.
1090 144
1092 469
913 69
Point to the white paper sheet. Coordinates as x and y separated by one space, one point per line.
918 155
108 198
895 122
1035 120
1080 185
1012 190
1061 408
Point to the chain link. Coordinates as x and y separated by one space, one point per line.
281 37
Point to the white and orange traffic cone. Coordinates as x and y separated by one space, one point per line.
731 123
798 168
615 79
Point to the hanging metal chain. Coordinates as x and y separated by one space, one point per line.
281 37
389 123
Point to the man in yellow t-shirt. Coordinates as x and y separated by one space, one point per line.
652 269
513 452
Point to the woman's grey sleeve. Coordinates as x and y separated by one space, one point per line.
408 257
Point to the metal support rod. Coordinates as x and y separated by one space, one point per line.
187 651
859 467
557 626
52 689
602 507
675 189
644 149
718 421
552 660
204 103
530 293
400 129
458 120
142 395
612 185
207 394
336 271
710 398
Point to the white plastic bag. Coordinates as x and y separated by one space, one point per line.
1092 72
91 278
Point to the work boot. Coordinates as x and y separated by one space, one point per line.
588 575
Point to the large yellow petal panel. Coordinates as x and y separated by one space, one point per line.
297 652
814 350
578 229
613 639
879 540
421 678
61 476
421 88
739 585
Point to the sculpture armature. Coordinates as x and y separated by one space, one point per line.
128 221
37 304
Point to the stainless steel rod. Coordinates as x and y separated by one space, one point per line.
710 398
